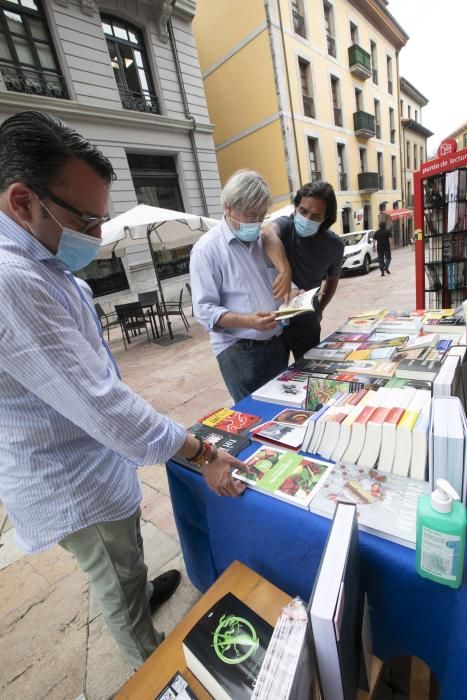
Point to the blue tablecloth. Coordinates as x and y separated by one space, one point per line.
283 543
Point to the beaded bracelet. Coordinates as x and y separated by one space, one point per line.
208 454
198 451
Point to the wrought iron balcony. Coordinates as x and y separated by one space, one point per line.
33 82
337 116
331 45
343 181
138 101
299 24
359 62
364 124
368 182
308 106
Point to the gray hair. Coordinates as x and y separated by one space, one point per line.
246 189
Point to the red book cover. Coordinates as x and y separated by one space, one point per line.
230 421
394 415
365 415
380 415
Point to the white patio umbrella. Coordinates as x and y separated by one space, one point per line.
162 228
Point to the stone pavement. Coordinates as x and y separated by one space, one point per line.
53 642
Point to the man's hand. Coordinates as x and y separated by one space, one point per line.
281 285
218 475
262 321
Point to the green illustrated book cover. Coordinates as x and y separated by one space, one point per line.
226 647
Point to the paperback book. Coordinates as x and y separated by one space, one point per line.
308 301
287 392
330 351
177 689
231 443
288 436
285 475
386 503
226 647
293 416
321 390
230 421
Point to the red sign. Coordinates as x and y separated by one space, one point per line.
446 147
442 165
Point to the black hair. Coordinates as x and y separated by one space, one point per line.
35 146
320 190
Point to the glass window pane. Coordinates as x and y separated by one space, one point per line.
144 82
14 2
133 37
23 51
107 28
138 59
30 4
46 58
120 32
15 23
38 29
4 51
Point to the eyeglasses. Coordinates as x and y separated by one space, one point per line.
90 222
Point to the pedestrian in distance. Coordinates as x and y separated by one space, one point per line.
383 247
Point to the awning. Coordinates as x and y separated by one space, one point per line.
396 214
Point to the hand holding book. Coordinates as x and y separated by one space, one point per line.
305 302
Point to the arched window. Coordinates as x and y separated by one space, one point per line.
28 62
130 65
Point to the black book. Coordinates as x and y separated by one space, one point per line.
231 443
337 609
177 687
226 647
418 369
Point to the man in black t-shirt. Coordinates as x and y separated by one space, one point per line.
314 253
383 247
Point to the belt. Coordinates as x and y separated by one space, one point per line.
246 343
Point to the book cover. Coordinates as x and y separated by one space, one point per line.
288 436
285 475
293 416
177 687
377 353
230 442
226 647
321 390
374 368
339 337
386 503
306 302
372 343
330 351
287 393
230 421
422 369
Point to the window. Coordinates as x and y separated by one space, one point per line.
105 276
409 194
336 100
409 110
305 81
465 140
362 154
407 164
392 128
28 62
402 107
353 33
421 155
313 152
298 17
389 70
330 30
377 119
346 211
415 166
394 172
416 115
380 171
341 164
374 62
130 65
358 100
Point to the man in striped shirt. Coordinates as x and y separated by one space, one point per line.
71 432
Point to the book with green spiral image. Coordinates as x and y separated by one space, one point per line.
226 647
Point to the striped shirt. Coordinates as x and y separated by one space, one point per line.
71 433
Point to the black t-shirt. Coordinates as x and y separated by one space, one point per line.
313 258
382 236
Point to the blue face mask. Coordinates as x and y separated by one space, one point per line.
305 227
248 233
76 250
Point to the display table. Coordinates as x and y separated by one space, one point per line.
410 616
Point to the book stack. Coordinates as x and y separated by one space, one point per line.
230 442
287 389
448 444
287 429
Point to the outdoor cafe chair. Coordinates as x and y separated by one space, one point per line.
132 321
107 321
175 308
150 301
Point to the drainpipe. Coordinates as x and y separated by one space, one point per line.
402 151
188 114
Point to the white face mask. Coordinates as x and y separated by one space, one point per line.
305 227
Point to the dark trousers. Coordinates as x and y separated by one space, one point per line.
302 334
248 364
384 259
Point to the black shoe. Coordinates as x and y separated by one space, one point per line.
382 274
387 272
165 586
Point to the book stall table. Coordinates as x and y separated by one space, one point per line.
410 616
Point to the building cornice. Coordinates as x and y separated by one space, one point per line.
376 13
416 127
412 92
185 8
458 131
71 110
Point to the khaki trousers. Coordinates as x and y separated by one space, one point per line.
112 555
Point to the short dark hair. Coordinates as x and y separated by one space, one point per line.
35 146
320 190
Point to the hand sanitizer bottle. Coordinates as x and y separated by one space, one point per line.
441 524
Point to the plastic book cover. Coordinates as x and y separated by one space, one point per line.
177 687
293 416
285 475
386 503
288 436
229 420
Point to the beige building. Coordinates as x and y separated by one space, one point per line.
303 90
413 141
460 135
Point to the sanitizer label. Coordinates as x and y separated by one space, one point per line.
440 554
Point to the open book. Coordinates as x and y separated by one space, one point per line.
308 301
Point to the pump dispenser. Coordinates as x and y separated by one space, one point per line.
441 525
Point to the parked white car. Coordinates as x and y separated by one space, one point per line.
358 252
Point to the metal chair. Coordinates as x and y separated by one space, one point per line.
150 301
175 308
188 286
132 320
106 320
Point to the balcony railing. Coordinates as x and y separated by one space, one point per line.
337 116
364 124
359 62
308 106
299 24
331 45
343 181
33 82
138 102
315 175
368 182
